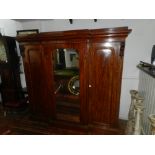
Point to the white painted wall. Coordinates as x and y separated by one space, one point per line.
138 46
9 27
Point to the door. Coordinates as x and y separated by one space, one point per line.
36 64
70 81
105 71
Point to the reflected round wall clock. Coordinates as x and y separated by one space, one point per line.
74 85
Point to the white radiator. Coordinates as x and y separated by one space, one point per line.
146 89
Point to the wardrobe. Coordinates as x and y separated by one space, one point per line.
74 77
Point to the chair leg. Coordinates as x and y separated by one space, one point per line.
152 121
134 125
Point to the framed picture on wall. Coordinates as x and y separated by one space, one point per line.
27 32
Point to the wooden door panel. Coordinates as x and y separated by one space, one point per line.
40 100
105 76
84 79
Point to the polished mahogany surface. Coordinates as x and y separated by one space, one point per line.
109 34
100 59
105 81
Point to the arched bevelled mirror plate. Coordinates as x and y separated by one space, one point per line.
67 84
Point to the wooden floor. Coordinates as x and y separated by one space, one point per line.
20 123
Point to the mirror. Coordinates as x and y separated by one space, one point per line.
67 84
66 59
66 69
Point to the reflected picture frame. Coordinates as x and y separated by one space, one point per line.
27 32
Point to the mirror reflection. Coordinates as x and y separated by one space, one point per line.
66 59
66 70
67 84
